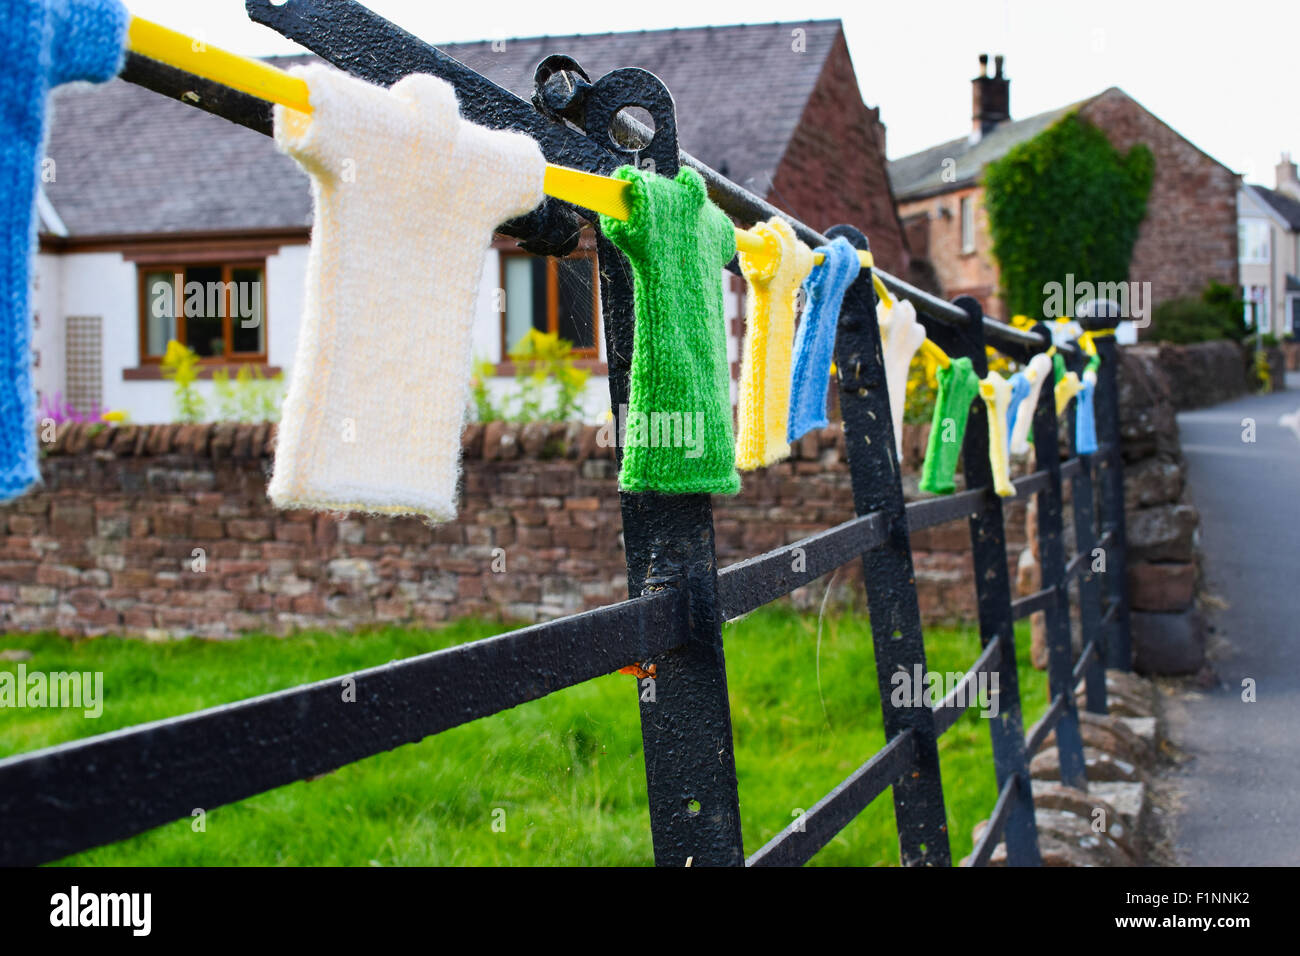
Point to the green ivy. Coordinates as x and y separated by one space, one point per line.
1064 202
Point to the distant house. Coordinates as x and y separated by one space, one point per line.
1189 235
1269 224
145 196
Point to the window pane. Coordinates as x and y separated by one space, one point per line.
247 328
160 311
525 288
204 305
576 302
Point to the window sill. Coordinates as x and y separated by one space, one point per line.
594 366
153 373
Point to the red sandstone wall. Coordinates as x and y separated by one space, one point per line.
109 543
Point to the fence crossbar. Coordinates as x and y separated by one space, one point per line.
1109 615
749 584
1031 484
997 822
88 792
1085 658
1046 724
936 511
1032 603
802 839
948 711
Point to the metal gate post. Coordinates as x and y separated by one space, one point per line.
1110 468
1051 561
669 542
887 570
993 592
1085 540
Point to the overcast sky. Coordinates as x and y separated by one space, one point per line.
1226 76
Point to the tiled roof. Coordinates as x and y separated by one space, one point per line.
923 173
1285 206
128 161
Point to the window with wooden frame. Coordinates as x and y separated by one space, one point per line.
551 295
216 308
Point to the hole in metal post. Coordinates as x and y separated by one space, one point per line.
626 138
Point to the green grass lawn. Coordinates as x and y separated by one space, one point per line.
567 770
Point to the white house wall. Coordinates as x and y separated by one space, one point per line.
49 327
105 284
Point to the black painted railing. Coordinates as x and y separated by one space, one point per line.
82 794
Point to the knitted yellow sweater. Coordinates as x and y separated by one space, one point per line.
996 392
1066 389
764 396
406 196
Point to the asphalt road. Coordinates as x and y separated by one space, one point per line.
1241 805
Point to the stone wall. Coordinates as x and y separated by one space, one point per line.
165 530
1163 570
1207 373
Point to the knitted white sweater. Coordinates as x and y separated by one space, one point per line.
1041 367
407 196
901 335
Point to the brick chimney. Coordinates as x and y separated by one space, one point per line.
1287 181
990 98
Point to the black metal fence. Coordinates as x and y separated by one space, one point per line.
68 798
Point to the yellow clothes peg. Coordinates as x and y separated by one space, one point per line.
249 76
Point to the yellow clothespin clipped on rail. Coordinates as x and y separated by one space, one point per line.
249 76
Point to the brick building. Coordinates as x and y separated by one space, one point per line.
149 189
1189 235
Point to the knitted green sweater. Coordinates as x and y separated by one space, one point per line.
958 386
679 437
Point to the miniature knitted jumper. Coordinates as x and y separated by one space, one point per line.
763 400
900 336
677 242
958 386
1066 389
1022 412
43 43
996 392
1020 388
1085 420
814 343
407 196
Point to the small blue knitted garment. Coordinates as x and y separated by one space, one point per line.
814 343
43 43
1085 419
1020 388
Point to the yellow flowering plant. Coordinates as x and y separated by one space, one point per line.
542 360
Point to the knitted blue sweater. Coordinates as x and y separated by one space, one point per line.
1085 420
1020 388
43 43
814 343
